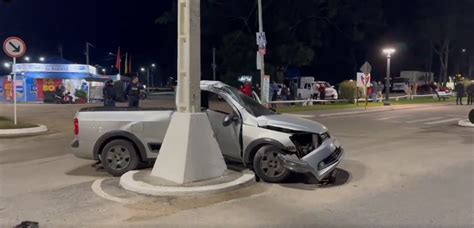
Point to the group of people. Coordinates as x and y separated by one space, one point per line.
132 92
462 91
375 92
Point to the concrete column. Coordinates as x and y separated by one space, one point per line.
189 56
190 151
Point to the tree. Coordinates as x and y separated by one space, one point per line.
296 32
443 25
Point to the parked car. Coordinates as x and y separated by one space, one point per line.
331 92
271 144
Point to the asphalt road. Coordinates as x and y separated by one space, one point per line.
403 168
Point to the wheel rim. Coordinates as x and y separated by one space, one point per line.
271 165
118 157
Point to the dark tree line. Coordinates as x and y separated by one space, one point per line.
298 33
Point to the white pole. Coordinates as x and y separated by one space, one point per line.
14 90
262 57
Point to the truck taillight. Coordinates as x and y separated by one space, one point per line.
76 126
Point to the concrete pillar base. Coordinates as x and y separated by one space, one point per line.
190 151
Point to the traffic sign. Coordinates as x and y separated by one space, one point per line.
366 68
14 47
261 39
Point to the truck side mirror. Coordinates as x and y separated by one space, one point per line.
228 119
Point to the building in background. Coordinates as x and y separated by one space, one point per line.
37 82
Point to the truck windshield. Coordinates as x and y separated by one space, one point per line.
252 106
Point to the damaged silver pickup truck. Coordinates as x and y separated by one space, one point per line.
271 144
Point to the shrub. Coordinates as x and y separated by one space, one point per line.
81 94
348 90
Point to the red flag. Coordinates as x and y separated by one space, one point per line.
118 61
126 63
130 64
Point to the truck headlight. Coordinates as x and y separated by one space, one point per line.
316 140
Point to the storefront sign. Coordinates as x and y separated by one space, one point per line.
55 68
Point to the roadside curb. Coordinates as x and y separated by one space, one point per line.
128 182
374 110
465 123
11 133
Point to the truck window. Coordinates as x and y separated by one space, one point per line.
217 104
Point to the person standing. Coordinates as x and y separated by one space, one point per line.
373 95
274 92
459 88
133 93
257 89
293 90
470 93
380 89
248 89
322 92
407 90
315 91
109 94
284 93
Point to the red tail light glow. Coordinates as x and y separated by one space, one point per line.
76 126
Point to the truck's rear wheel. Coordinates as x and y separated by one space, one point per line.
268 166
119 156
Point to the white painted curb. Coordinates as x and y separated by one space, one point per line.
128 183
465 123
23 131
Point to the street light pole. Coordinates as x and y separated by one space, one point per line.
387 82
389 52
148 80
262 57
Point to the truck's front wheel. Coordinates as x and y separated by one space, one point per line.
268 166
119 156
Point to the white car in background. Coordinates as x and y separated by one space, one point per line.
331 92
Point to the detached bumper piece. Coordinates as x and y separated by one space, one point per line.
320 162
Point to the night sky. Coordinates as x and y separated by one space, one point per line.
48 24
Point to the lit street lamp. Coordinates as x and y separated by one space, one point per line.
388 52
27 58
143 69
41 59
103 70
7 65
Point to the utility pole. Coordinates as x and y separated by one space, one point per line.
214 66
262 56
87 52
148 79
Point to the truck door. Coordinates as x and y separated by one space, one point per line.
228 137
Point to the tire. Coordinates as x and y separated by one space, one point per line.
268 166
119 156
